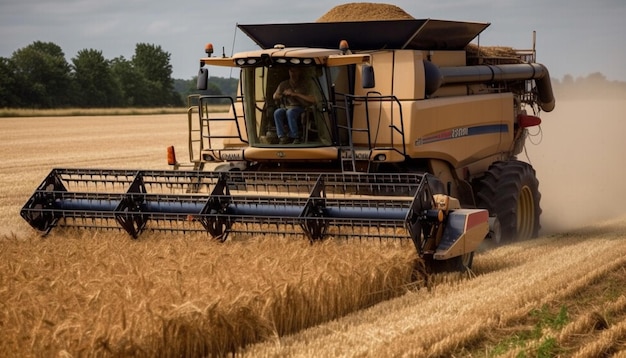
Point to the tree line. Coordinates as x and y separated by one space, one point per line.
39 76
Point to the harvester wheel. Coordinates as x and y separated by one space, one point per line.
464 261
510 191
456 264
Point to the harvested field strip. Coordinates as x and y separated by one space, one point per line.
568 319
606 341
470 316
595 321
592 320
109 295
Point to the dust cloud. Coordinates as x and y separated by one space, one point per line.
580 162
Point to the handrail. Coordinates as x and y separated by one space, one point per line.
370 97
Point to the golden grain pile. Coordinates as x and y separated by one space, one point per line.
363 11
496 55
491 51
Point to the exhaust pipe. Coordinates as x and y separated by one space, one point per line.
494 73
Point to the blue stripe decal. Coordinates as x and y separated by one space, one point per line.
462 132
487 129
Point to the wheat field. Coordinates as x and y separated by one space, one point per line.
80 293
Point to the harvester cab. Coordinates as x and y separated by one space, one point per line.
406 133
318 131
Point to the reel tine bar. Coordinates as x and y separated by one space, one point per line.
318 205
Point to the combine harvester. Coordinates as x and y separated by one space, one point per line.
410 136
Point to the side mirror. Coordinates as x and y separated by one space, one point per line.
367 76
203 79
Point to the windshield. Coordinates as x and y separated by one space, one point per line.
286 105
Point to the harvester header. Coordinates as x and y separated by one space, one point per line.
317 205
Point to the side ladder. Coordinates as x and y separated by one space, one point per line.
201 133
348 152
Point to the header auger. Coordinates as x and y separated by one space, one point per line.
402 131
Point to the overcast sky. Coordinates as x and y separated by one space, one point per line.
576 37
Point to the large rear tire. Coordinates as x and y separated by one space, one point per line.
510 191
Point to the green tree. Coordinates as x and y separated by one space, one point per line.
212 87
43 75
130 84
227 86
215 86
568 80
8 84
153 65
94 83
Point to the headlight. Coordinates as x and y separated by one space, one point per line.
247 61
